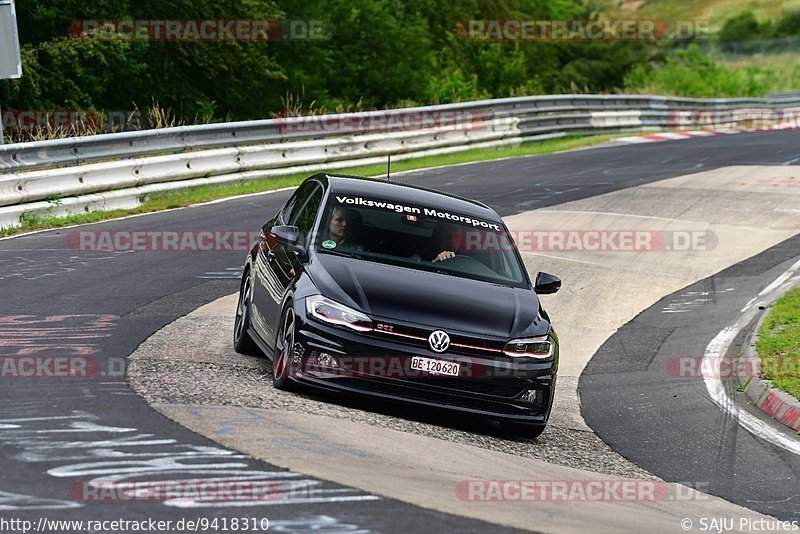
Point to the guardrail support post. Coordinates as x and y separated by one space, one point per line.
10 63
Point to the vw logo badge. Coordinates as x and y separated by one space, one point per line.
439 341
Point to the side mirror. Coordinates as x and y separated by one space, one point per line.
286 235
546 284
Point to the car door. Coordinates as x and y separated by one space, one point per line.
267 286
285 264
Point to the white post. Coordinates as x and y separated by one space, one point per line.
10 63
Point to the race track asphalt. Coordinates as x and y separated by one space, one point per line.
56 434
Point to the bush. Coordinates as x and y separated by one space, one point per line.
741 27
692 74
788 25
380 54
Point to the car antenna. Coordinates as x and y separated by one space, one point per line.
388 168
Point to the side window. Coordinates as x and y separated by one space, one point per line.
295 204
304 218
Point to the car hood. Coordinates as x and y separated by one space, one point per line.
425 298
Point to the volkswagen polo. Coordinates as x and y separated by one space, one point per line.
396 291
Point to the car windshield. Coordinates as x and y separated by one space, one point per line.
418 237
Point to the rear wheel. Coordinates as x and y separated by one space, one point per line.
242 342
284 351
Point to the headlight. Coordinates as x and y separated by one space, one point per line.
331 312
534 347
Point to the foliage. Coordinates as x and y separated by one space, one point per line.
691 73
64 71
744 26
741 27
380 53
375 54
787 25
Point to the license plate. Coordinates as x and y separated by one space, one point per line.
436 367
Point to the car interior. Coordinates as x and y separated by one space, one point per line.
419 238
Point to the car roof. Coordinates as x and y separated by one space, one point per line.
407 193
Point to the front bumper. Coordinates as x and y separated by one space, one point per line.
489 385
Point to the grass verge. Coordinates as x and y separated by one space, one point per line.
196 195
779 344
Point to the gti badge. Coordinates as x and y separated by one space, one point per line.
439 341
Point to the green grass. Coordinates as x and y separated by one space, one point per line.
779 344
779 72
714 11
702 72
196 195
692 73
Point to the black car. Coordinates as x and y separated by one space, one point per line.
395 291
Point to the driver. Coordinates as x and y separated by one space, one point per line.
340 229
444 239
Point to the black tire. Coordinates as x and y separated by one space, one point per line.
522 430
284 351
242 342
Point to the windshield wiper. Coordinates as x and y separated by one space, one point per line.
340 253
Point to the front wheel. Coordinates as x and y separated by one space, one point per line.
242 342
284 351
522 430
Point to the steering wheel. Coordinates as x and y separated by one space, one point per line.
462 256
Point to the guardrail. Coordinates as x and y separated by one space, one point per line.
112 171
784 95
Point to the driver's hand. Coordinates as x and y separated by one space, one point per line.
444 255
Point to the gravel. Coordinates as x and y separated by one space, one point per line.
192 361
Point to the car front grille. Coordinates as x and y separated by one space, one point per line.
427 394
459 344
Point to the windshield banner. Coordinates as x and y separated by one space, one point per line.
427 212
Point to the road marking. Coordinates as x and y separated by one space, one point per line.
98 456
680 134
17 501
33 269
690 300
780 280
230 272
716 350
613 214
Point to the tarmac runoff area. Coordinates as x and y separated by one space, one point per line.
190 373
